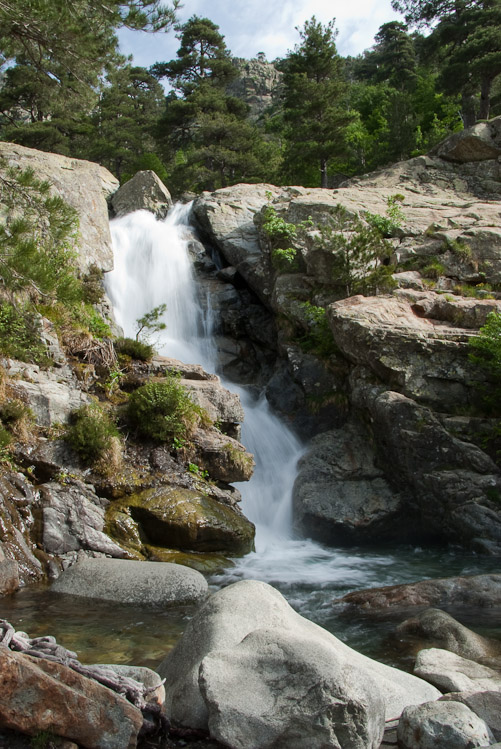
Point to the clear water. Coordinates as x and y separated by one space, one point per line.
152 267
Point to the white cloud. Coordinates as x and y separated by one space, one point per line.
252 26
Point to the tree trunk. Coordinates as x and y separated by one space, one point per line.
468 114
485 99
323 172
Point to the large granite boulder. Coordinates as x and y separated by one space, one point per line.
452 673
127 581
252 671
144 192
487 705
478 143
84 186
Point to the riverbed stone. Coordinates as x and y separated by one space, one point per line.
40 695
487 705
479 591
439 629
248 627
452 673
128 581
448 725
9 574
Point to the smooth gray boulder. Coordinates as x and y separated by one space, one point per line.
487 705
448 634
248 634
442 725
451 673
128 581
145 191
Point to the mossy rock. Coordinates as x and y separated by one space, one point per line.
183 519
208 564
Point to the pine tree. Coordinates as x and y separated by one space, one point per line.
314 103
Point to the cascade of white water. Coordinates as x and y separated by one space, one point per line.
152 267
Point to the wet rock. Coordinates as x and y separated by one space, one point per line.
451 673
487 705
476 591
187 519
145 191
450 725
82 184
74 518
440 630
249 627
40 695
19 503
224 458
127 581
146 676
9 574
339 494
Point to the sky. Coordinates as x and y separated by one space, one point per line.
269 26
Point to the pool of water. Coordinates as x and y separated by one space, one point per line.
105 632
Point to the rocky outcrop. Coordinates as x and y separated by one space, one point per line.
253 671
84 186
127 581
144 192
257 84
452 673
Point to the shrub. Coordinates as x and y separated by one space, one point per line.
163 410
135 349
20 335
91 432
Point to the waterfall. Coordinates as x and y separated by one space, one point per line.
152 267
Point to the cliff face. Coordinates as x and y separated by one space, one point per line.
258 84
398 372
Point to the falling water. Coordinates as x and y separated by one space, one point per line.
152 267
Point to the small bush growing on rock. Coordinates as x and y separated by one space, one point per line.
20 335
134 349
163 410
91 432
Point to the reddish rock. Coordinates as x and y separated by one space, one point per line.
474 590
41 695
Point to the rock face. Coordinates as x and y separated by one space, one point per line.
80 708
150 583
250 669
257 84
84 186
144 192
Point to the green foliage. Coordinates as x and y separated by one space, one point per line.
90 432
92 285
461 249
13 411
319 339
163 410
20 335
280 234
433 269
197 471
134 349
361 254
487 345
389 224
151 322
38 239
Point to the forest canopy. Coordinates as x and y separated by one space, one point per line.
65 87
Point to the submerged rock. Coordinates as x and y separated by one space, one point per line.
246 652
478 591
127 581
